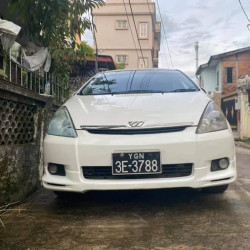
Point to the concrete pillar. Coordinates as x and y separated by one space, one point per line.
244 128
217 98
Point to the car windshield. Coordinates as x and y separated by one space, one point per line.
142 81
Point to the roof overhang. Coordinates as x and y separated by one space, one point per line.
214 60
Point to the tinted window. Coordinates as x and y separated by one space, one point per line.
138 81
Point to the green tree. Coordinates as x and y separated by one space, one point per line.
54 24
120 65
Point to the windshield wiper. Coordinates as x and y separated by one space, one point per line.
184 90
138 91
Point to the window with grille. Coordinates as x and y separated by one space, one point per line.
143 63
143 30
121 24
229 72
121 58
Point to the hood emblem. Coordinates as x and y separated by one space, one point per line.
136 124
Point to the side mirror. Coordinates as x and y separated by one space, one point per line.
74 93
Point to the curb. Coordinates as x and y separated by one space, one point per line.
242 144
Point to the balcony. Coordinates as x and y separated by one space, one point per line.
157 33
155 58
158 27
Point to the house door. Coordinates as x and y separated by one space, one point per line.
228 108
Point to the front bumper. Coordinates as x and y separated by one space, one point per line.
176 148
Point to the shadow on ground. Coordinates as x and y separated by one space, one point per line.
143 219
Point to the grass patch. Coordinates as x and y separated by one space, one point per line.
247 140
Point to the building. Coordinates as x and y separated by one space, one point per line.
223 70
82 70
220 74
116 34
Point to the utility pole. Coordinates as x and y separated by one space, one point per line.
95 42
96 53
196 46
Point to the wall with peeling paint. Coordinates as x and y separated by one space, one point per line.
243 88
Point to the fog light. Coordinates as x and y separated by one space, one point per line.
56 169
223 163
52 168
219 164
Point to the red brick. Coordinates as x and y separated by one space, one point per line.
243 69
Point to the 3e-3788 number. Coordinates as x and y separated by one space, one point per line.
136 163
139 166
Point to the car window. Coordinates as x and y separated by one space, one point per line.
138 81
161 81
107 83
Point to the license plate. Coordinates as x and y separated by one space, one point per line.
136 163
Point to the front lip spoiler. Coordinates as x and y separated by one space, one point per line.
151 126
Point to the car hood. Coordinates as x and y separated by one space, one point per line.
167 110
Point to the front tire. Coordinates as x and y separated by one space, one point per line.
215 189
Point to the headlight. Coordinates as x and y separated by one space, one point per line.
61 124
212 120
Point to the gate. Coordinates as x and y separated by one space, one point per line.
228 108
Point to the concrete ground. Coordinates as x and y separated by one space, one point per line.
156 219
240 143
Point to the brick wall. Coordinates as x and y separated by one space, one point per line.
240 61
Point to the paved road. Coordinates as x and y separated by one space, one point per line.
157 219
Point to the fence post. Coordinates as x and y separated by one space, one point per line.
10 65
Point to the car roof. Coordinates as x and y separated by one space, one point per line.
148 69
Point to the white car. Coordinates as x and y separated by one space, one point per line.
139 129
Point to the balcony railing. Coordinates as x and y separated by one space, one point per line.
158 27
38 81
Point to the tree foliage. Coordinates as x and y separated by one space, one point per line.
120 65
54 24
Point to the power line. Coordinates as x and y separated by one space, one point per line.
165 36
244 11
136 32
95 42
154 19
149 9
130 28
165 55
165 61
248 26
163 45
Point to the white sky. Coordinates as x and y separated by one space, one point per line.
218 26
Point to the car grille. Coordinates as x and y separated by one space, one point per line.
136 131
168 171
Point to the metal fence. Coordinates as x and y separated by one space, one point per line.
38 81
